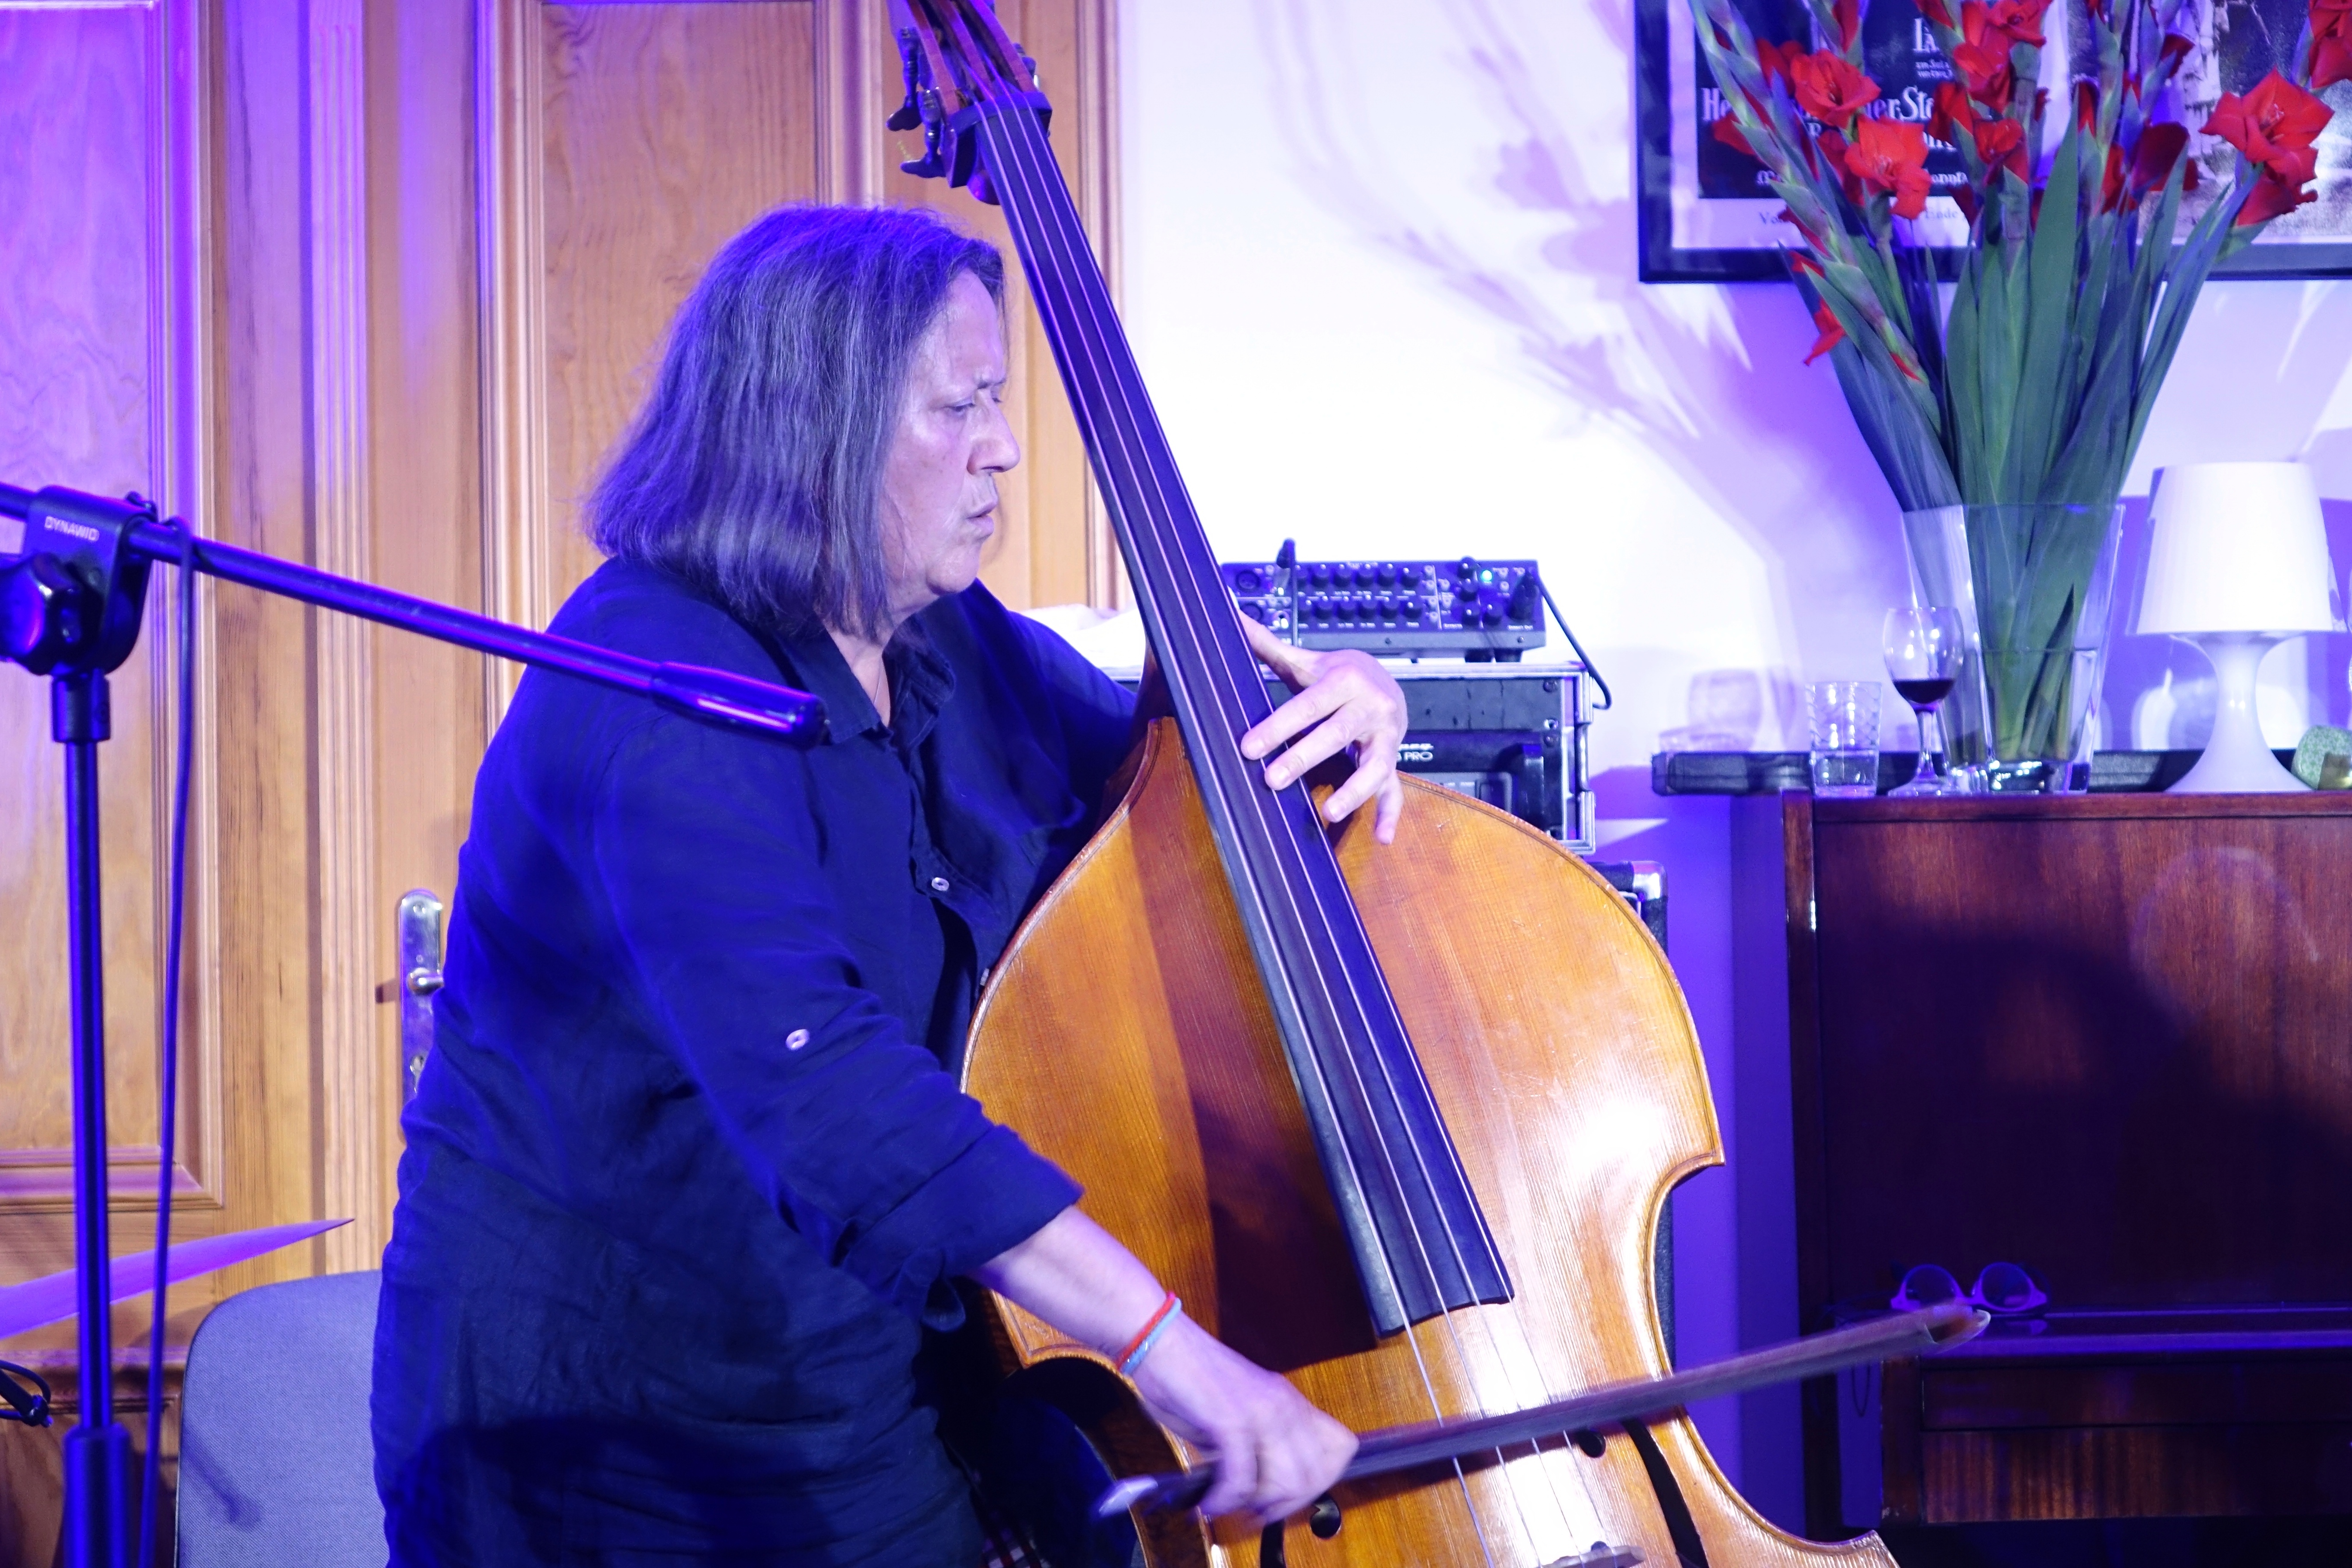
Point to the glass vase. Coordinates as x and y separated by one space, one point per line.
2032 584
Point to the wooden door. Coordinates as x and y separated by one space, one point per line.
370 284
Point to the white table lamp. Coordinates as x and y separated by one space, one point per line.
2237 563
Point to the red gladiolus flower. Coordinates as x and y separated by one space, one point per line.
1828 88
2295 167
1793 221
2160 148
2331 43
2021 19
1832 335
2331 60
1726 130
1834 149
2274 120
2111 183
1776 58
2272 199
2174 48
1935 11
1892 158
1848 16
2002 142
1984 49
1953 113
1993 92
1979 63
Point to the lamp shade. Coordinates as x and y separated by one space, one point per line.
2238 547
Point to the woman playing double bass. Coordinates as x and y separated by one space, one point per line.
688 1176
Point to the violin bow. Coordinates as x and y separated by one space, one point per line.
1402 1447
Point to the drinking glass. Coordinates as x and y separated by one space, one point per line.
1923 657
1842 716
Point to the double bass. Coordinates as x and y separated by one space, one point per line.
1398 1137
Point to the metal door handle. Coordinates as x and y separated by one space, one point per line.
420 977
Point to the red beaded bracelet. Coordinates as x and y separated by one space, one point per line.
1138 1347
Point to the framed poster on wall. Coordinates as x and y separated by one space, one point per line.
1707 215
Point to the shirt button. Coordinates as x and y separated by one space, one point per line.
939 884
796 1039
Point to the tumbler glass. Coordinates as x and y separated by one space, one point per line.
1843 715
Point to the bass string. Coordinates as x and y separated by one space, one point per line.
1116 449
1511 1318
1550 1480
1026 148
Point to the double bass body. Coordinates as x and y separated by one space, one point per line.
1126 1034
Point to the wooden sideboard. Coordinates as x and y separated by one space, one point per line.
2107 1037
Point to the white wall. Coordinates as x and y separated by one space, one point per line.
1380 269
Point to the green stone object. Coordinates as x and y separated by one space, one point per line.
2324 758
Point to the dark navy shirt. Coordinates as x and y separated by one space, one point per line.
688 1172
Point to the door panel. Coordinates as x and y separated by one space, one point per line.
667 128
93 269
80 314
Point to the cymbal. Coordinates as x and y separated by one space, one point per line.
52 1298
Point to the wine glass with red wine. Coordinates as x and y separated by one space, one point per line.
1923 657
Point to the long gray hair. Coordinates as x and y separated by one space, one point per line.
754 469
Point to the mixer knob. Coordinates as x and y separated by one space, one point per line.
1388 574
1524 593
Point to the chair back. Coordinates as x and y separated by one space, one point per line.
277 1467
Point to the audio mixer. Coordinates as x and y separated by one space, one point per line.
1465 607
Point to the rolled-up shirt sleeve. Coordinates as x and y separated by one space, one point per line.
707 845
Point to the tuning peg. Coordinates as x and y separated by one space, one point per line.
909 114
934 161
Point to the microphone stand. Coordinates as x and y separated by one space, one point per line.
71 605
